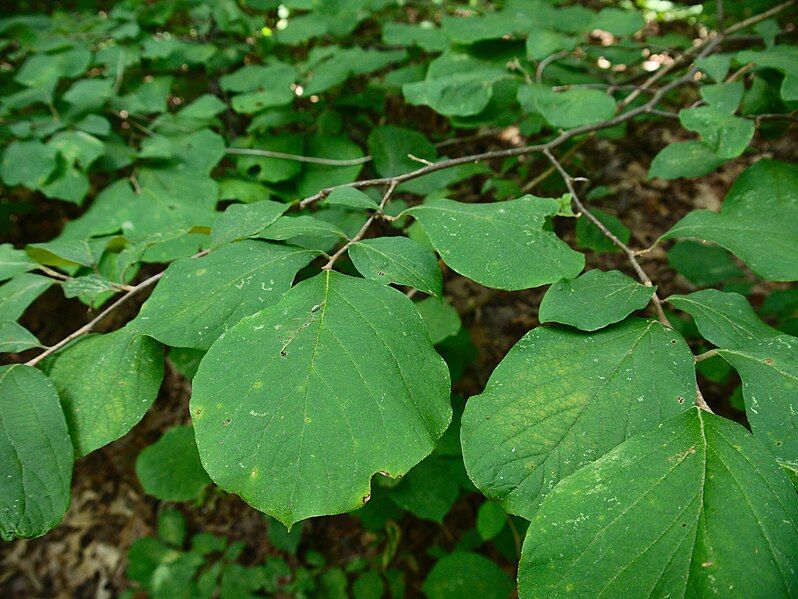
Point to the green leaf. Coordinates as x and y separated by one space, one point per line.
684 159
170 468
351 198
19 292
77 147
727 135
769 372
715 65
107 383
245 220
27 163
306 418
441 318
16 338
63 252
390 147
618 21
430 489
457 94
271 170
567 109
724 319
703 265
13 262
35 454
542 43
464 574
594 300
398 260
500 245
689 509
561 399
424 34
723 96
288 227
317 176
782 57
198 299
757 221
491 520
590 237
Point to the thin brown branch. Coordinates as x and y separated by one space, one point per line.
359 235
89 326
630 254
297 157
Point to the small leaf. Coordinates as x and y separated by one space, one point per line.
37 457
543 42
465 574
107 383
594 300
726 134
590 237
198 299
390 146
16 338
567 109
715 65
491 520
351 198
500 245
287 227
675 511
703 265
561 399
27 163
430 489
398 260
245 220
170 468
757 221
332 384
684 159
441 318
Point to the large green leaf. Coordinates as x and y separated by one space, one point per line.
757 221
561 399
332 384
107 383
724 319
593 300
398 260
198 299
35 454
170 468
501 245
690 509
